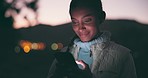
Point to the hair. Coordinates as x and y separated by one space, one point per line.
93 4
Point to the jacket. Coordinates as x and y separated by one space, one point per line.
110 60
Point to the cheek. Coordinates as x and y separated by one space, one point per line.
75 29
94 31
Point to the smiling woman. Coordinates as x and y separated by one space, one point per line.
93 51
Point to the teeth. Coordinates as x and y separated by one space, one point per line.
83 33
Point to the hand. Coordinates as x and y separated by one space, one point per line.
82 63
66 69
85 71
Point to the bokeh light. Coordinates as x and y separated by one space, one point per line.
34 46
26 49
27 45
24 43
60 46
17 49
41 46
54 46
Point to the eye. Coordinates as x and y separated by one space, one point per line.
88 20
74 22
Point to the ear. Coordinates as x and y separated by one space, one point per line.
103 16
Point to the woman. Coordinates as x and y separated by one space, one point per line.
95 54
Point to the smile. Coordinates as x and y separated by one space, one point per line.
83 34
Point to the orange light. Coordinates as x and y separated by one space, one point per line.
27 45
24 43
60 45
26 49
41 46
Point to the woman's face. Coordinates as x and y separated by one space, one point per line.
84 23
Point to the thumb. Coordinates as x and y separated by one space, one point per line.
83 64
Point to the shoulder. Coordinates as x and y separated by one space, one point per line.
115 57
117 48
118 51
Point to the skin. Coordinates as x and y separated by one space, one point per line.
85 23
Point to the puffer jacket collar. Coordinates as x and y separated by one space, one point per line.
96 49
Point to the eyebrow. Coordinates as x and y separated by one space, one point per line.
89 14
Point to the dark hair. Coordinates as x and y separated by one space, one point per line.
96 5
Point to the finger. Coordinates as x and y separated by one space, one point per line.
81 63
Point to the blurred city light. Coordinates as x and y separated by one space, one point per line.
56 46
24 43
60 46
17 49
27 46
41 46
26 49
34 46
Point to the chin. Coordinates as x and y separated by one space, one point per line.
85 40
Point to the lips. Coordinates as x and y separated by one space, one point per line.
83 34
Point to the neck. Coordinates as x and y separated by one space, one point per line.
96 36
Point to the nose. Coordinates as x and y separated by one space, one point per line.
81 27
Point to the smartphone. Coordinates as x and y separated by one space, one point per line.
66 59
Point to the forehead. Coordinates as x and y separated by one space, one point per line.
82 11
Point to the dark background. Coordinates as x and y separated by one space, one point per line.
36 64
